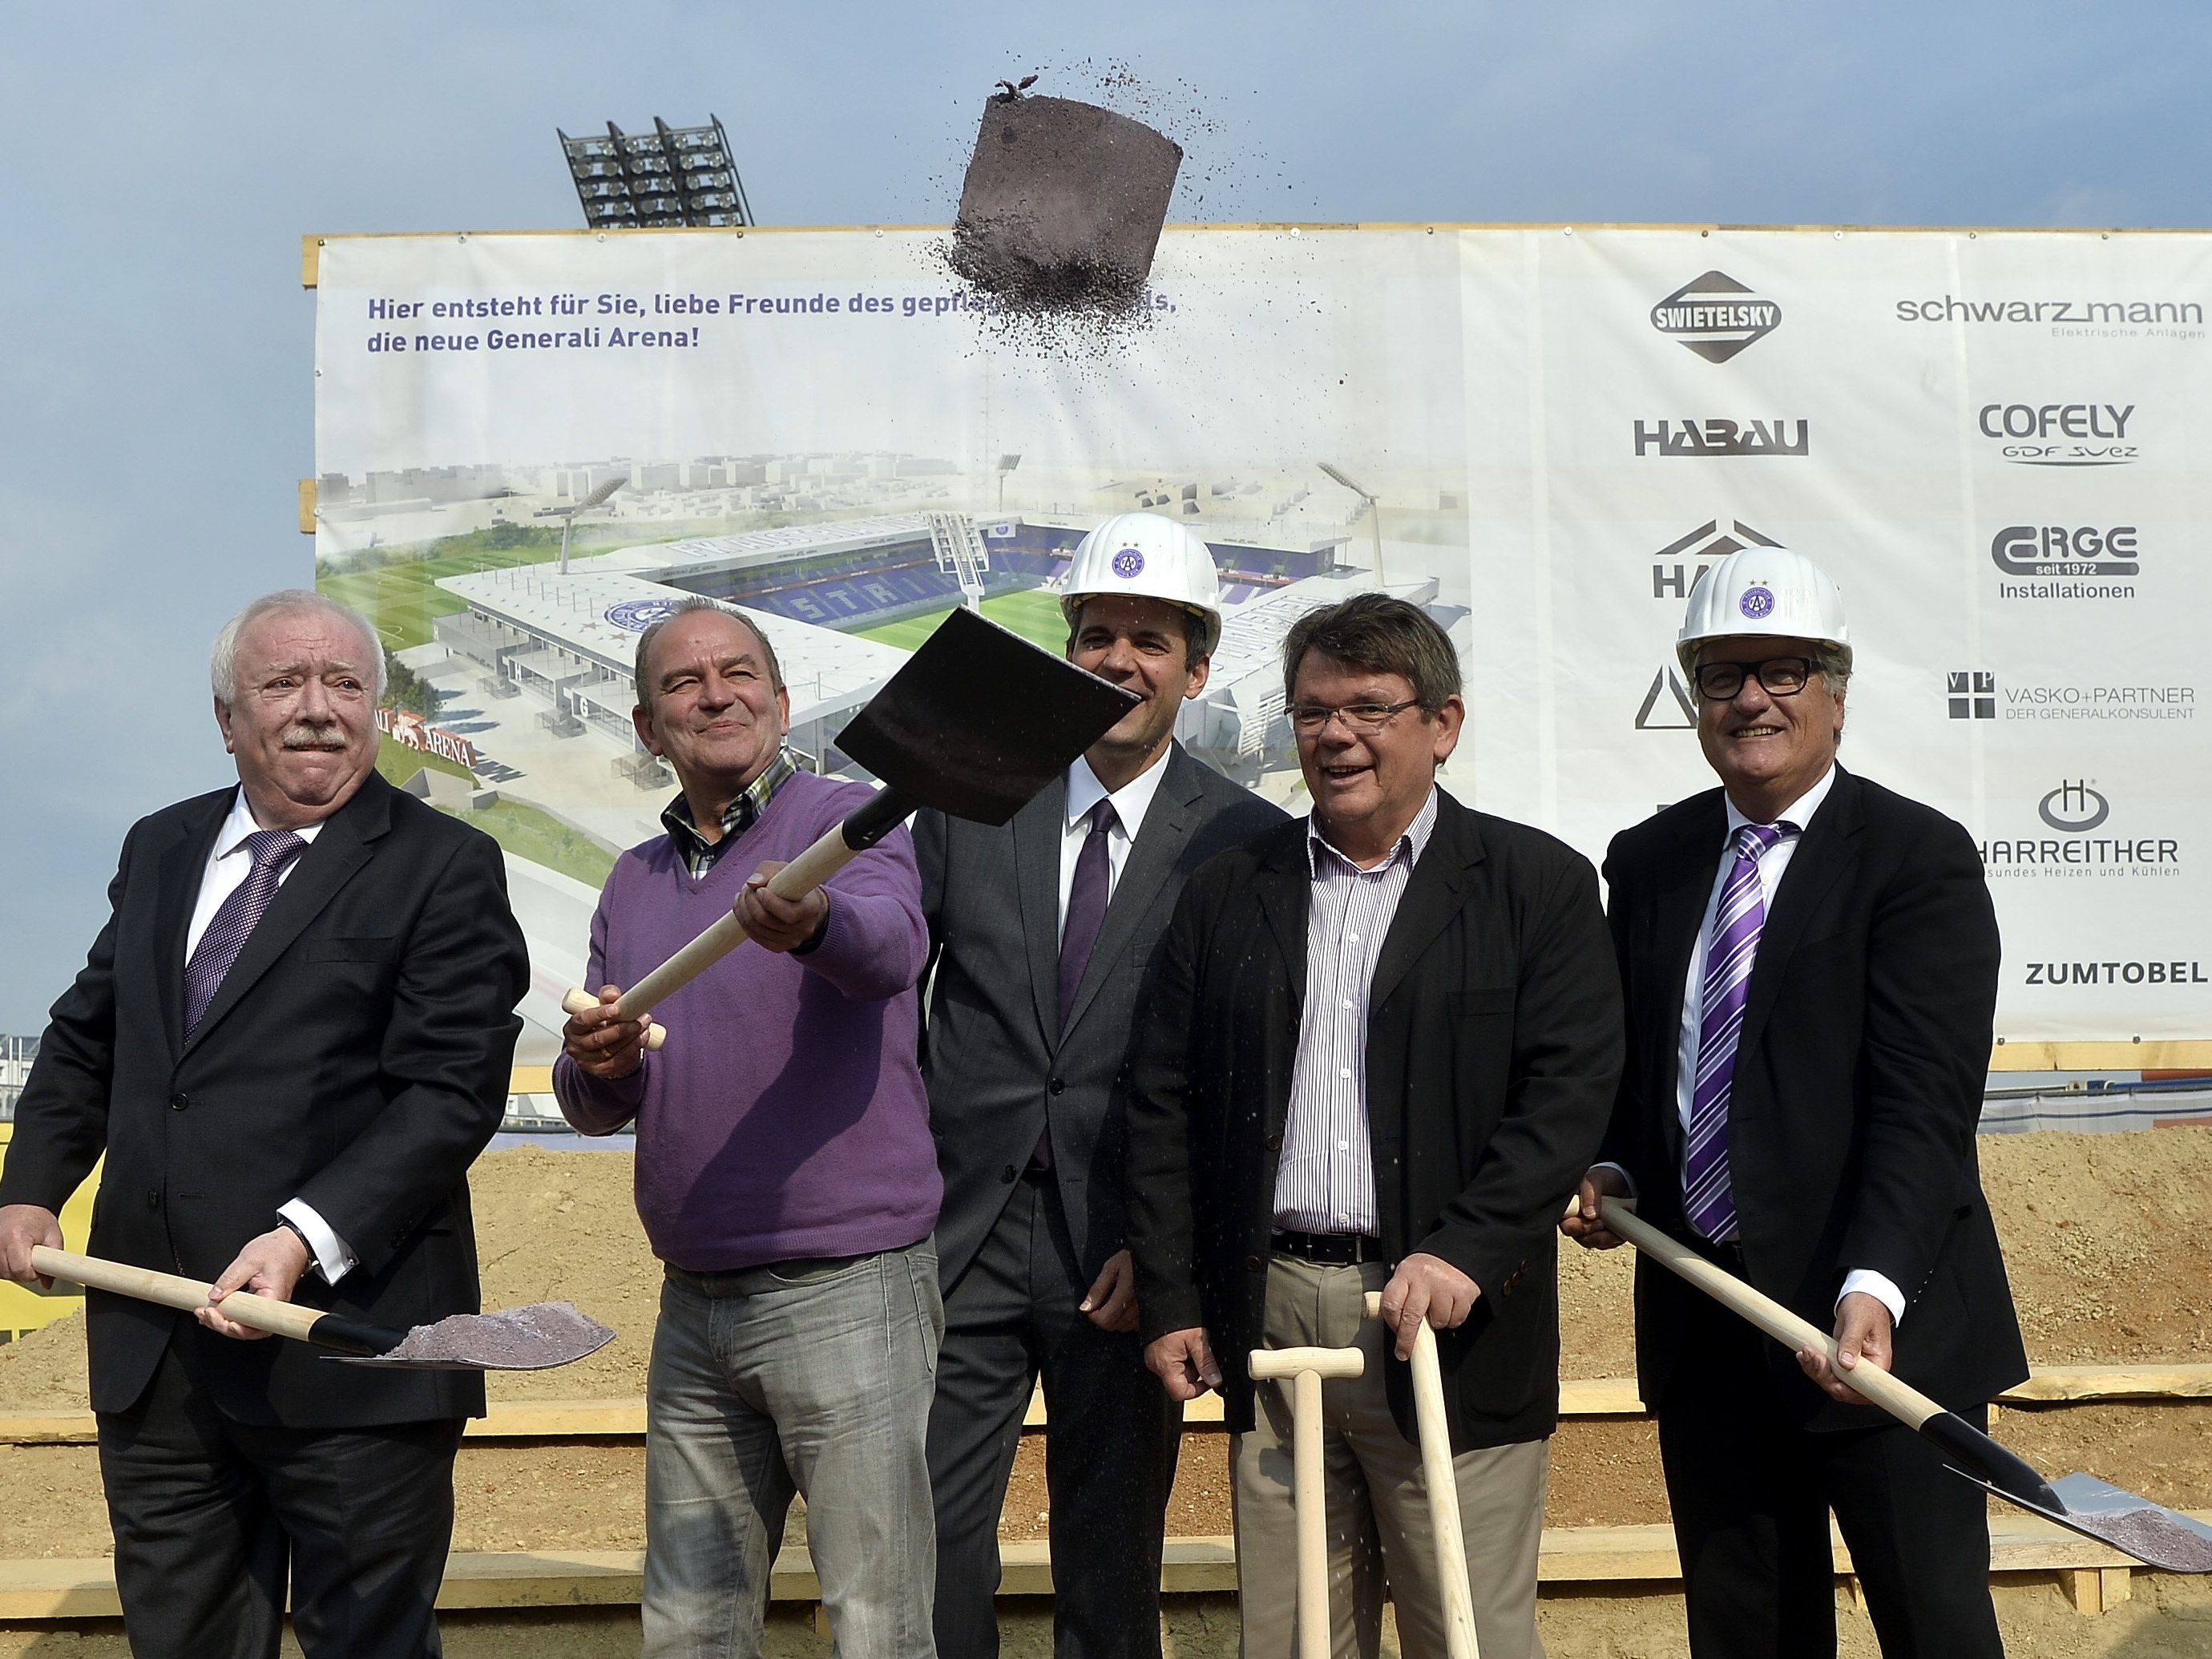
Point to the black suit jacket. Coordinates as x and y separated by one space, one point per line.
997 1064
356 1055
1493 1054
1859 1083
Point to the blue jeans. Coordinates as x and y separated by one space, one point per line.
811 1375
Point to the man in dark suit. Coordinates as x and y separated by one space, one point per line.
290 1040
1811 968
1044 935
1382 1050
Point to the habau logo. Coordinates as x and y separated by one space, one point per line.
1668 706
1717 437
1697 552
1715 316
1973 695
2061 435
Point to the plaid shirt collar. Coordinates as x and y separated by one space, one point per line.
699 854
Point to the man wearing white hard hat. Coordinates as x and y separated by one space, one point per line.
1811 967
1043 936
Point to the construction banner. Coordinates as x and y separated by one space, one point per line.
529 447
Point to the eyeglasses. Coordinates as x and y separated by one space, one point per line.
1365 719
1781 677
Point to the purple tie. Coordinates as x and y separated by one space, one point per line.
234 919
1708 1196
1086 907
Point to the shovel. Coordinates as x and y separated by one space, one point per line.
2152 1534
535 1338
974 724
1305 1368
1431 1422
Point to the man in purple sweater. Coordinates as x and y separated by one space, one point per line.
785 1172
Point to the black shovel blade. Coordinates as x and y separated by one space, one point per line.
534 1338
2152 1534
980 719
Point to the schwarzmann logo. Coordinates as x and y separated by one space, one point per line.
1723 438
1715 316
1693 554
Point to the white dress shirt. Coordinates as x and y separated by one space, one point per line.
228 867
1131 802
1772 864
1325 1177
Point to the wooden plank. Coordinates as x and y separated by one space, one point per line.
530 1080
2053 1383
307 507
84 1588
624 1420
2131 1055
311 260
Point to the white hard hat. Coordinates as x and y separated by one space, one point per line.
1763 590
1145 556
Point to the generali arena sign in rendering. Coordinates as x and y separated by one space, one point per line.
1999 443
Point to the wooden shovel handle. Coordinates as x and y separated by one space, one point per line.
261 1313
1441 1480
823 859
1900 1400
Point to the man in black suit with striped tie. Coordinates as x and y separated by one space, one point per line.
1810 963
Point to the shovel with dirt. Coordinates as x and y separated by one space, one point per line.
974 724
2151 1533
535 1338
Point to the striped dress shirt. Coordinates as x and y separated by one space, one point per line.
1326 1180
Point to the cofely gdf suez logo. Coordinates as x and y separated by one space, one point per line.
1676 566
1129 564
1719 438
1715 316
2074 837
638 615
2061 435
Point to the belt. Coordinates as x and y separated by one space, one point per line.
1337 1249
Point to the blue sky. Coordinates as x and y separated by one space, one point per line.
161 164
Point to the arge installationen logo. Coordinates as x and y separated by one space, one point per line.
2066 561
1715 316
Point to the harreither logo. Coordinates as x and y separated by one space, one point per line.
1715 316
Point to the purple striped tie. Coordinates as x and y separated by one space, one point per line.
1708 1197
233 920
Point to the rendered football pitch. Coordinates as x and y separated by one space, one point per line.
1032 613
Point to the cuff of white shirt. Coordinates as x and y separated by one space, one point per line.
334 1259
1865 1281
1623 1174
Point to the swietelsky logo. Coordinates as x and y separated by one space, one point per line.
1715 316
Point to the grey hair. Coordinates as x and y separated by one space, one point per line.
1835 665
222 663
686 607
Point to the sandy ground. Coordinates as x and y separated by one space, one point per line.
2102 1236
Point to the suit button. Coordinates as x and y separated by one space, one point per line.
1251 1264
154 1199
1054 1087
179 1102
1274 1143
1007 1175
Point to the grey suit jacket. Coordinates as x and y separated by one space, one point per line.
997 1067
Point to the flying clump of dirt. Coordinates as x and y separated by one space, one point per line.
1062 209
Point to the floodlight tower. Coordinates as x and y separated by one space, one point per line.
1373 508
568 515
670 176
1006 464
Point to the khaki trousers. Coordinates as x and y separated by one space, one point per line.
1378 1516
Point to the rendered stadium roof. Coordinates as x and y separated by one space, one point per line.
667 560
599 615
1252 633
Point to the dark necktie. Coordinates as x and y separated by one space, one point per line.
1086 907
1086 910
1708 1194
234 919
